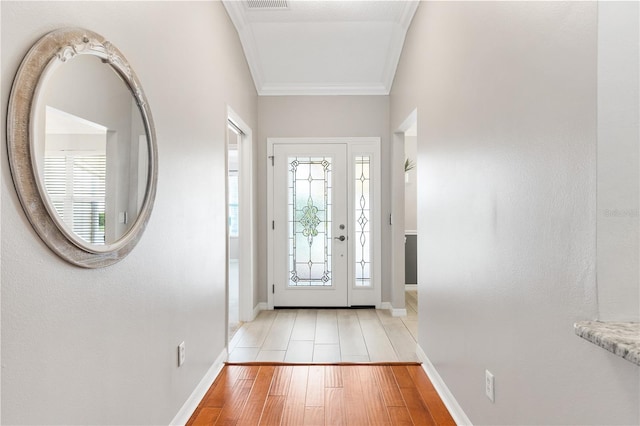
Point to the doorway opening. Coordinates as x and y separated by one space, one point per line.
241 226
411 207
234 138
404 224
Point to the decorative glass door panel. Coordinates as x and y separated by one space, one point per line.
362 221
310 212
310 221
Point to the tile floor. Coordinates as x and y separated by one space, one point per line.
328 335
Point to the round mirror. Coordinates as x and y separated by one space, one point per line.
82 147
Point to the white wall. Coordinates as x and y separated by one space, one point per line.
322 116
506 99
618 165
99 346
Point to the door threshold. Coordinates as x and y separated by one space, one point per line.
327 307
339 363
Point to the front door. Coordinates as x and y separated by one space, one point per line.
324 241
310 213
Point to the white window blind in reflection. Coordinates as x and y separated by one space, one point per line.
76 185
233 203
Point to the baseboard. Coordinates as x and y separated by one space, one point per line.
410 287
445 394
398 312
262 306
198 393
395 312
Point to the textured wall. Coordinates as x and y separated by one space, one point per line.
618 161
506 99
99 346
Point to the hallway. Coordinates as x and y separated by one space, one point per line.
526 184
328 335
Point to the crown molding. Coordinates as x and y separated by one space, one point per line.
408 13
322 90
247 40
397 44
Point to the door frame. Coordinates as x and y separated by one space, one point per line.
247 240
398 157
355 146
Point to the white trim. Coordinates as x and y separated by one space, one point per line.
398 233
269 226
247 40
410 232
397 43
395 312
411 119
374 89
190 405
456 411
398 312
303 140
368 144
410 287
262 306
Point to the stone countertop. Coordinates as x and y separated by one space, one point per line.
621 338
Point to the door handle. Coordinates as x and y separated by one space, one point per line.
341 238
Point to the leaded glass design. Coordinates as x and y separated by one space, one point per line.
363 219
309 206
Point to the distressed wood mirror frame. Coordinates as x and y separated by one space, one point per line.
51 51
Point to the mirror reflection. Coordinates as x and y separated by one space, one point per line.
90 150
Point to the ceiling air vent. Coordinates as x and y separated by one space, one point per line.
267 4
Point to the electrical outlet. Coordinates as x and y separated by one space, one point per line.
181 354
489 385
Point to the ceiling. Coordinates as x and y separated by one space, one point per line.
322 47
61 122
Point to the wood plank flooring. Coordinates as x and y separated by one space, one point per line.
329 395
328 336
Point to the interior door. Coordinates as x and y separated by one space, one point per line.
311 225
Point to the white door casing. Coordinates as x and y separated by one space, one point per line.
247 245
330 271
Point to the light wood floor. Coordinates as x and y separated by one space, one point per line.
328 336
321 395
